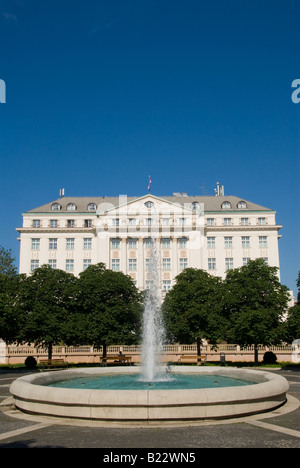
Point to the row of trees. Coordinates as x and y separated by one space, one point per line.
249 307
49 307
102 307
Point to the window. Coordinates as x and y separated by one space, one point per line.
183 263
71 207
71 223
165 221
52 244
115 264
87 243
36 223
149 221
147 264
149 284
195 206
149 204
245 242
132 221
211 263
55 207
132 264
86 263
228 242
166 243
88 223
115 243
53 223
52 264
166 264
210 221
92 206
263 242
35 244
70 243
182 242
166 285
261 221
226 205
182 221
227 221
266 260
228 263
69 265
132 243
211 242
116 222
244 221
245 260
242 205
34 264
148 243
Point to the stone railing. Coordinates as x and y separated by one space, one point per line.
13 354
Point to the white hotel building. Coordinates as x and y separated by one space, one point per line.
214 233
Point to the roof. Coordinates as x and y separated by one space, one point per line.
211 203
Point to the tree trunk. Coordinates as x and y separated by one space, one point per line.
50 350
199 342
256 354
104 350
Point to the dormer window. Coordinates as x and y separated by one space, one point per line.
195 206
242 205
92 206
226 205
71 207
56 207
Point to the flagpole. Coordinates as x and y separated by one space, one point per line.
149 185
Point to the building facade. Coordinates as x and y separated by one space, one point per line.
214 233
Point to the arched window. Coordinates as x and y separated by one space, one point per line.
92 206
195 206
71 207
56 207
242 204
226 205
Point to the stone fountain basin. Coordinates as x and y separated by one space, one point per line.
30 395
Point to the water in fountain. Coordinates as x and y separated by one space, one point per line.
153 329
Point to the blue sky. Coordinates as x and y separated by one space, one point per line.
102 93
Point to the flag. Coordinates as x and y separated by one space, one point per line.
149 185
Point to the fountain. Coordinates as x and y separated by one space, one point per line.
155 397
153 329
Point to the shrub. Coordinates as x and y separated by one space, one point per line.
269 358
30 362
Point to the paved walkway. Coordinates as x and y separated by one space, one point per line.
278 429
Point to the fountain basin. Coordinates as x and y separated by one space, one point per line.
32 395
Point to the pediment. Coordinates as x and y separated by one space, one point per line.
147 205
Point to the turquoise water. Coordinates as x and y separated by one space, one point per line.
134 382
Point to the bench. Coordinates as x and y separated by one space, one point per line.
191 358
52 364
118 359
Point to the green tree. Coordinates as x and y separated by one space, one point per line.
108 308
191 309
43 306
9 285
291 327
9 318
255 301
7 263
